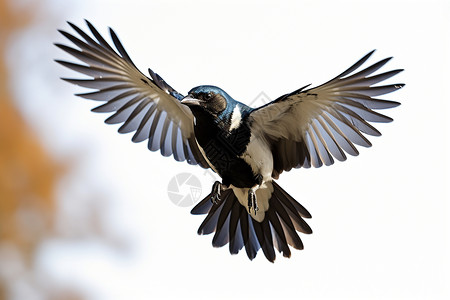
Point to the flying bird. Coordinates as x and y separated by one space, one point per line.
247 147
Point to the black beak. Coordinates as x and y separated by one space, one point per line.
190 101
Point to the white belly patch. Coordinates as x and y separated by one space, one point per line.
259 156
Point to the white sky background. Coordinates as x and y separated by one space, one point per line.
380 220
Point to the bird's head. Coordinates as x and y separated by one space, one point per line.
207 99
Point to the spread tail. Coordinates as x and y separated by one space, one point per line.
232 224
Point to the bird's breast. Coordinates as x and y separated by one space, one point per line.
224 151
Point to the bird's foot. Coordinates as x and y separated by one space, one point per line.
252 203
215 193
259 179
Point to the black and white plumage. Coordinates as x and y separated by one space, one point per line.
248 147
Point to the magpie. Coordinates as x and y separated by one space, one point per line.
247 147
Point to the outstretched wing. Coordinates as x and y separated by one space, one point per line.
150 107
311 126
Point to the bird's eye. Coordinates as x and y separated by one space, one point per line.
208 96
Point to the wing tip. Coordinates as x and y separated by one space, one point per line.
89 24
96 109
69 80
395 104
113 34
365 57
71 24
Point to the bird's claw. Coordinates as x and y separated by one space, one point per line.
252 203
216 189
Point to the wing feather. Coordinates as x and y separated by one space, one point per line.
148 106
314 126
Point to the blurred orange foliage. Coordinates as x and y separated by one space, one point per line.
27 173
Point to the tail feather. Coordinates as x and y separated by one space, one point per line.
236 238
252 244
286 222
266 239
221 237
213 210
233 225
300 209
203 207
209 224
278 233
